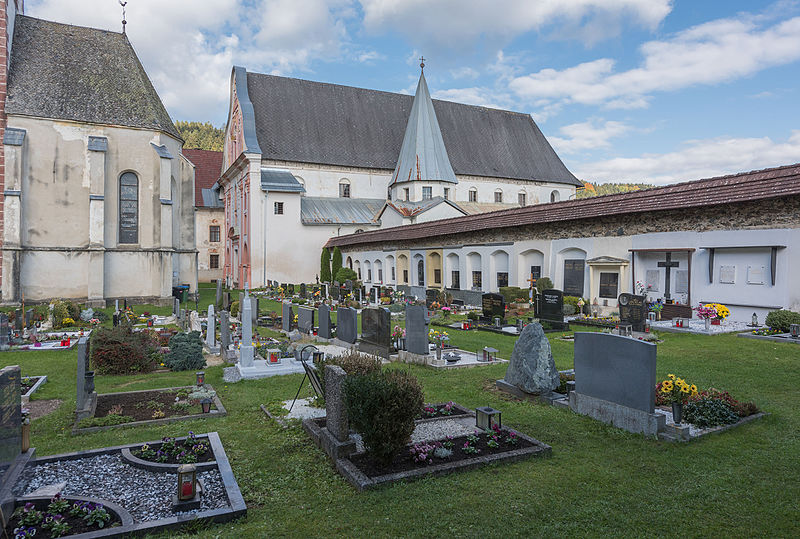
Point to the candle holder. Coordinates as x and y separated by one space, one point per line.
200 378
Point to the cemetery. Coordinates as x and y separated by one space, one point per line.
344 361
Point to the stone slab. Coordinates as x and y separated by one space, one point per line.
624 417
347 325
262 369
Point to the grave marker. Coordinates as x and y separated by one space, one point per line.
287 316
218 301
347 325
417 330
375 331
431 295
305 320
246 350
303 290
324 330
4 332
494 305
552 306
335 410
633 310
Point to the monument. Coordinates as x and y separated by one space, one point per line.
532 370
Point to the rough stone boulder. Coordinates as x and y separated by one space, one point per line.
532 368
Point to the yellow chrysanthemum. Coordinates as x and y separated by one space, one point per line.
694 393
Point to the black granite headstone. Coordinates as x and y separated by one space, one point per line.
552 306
28 318
10 416
633 310
287 316
347 324
303 290
335 292
18 320
324 330
494 305
431 295
291 290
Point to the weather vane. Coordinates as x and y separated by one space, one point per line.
124 22
422 62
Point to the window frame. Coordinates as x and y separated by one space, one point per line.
214 231
427 192
278 208
473 195
213 261
123 231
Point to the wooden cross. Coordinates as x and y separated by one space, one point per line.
532 282
667 264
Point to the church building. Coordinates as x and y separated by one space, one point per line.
97 196
304 161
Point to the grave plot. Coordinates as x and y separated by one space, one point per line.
451 439
30 385
103 486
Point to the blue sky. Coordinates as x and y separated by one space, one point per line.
626 90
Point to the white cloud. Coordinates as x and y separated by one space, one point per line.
453 23
697 159
188 47
464 73
710 53
588 135
370 56
472 96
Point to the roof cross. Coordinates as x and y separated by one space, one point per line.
124 22
422 62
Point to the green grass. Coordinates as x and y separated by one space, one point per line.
599 481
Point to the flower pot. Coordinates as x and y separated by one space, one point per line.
708 324
716 322
26 437
677 412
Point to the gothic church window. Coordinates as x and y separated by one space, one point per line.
555 196
129 208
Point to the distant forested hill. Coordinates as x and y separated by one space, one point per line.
201 135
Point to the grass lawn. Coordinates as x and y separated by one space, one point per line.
599 481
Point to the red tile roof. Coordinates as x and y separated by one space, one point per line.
747 186
208 167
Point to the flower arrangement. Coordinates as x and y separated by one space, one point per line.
641 288
705 312
25 416
657 307
94 322
67 321
721 311
398 333
676 389
438 337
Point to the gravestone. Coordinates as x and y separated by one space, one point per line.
303 290
211 330
287 316
335 293
324 330
552 307
86 400
176 307
227 305
373 295
18 319
532 369
224 330
87 314
12 461
336 412
305 320
29 318
431 295
417 330
375 331
247 351
347 324
615 379
254 306
291 290
633 310
494 305
218 299
4 332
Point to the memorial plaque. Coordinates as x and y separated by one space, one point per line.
347 324
727 274
633 310
375 331
755 274
324 330
494 305
574 271
681 282
652 278
305 320
287 316
552 305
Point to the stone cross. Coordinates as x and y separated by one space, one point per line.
246 350
667 264
211 328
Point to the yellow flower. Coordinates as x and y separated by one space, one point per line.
664 389
671 376
694 388
685 389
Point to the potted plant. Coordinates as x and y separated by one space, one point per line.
677 391
399 337
721 312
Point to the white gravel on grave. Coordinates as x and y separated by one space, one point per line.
302 409
146 495
442 428
699 326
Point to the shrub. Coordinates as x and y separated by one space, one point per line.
235 308
543 283
396 308
185 352
352 362
708 412
60 312
343 274
336 262
511 293
325 266
382 407
472 315
782 319
568 309
120 350
41 312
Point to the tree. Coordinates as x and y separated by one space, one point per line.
201 135
336 262
325 266
345 274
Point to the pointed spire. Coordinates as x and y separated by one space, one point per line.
423 156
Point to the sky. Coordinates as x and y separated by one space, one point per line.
654 91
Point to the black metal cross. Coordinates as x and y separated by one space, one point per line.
667 265
422 62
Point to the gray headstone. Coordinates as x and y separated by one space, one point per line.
218 301
305 319
287 316
324 330
10 416
617 369
375 331
246 350
4 331
176 307
28 318
347 324
211 329
254 306
18 319
417 329
224 329
532 368
336 411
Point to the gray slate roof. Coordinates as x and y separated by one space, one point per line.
339 211
315 122
211 198
273 179
83 74
410 209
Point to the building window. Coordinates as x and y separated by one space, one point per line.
129 208
406 194
427 193
380 275
213 262
213 233
555 196
405 275
279 208
498 196
359 274
437 276
392 273
344 189
477 281
502 279
456 278
447 193
473 195
609 284
536 273
369 275
521 199
421 273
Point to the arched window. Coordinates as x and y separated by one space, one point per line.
473 194
344 188
129 208
555 196
498 195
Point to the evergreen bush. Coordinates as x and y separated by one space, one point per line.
325 266
708 412
782 319
382 407
185 352
120 350
352 362
336 262
344 274
543 283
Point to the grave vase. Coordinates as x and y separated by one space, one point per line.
677 412
708 324
716 322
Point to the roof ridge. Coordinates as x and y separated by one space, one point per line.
71 25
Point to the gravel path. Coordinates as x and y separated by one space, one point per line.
146 495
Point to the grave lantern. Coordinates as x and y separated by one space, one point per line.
487 417
489 354
317 357
201 378
754 320
794 329
187 481
206 404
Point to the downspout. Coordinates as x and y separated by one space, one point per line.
264 232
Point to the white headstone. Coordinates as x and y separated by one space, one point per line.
246 350
211 328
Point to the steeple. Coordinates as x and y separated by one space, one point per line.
423 156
